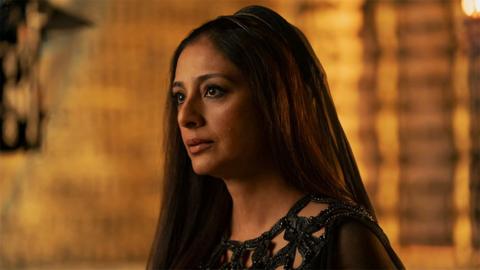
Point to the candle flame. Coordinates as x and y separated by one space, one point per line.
471 8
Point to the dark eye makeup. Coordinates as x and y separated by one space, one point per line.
213 91
210 91
178 97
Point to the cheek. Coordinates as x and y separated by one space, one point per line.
238 129
181 132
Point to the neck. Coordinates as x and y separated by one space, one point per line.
259 201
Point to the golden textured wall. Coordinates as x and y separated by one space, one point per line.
398 71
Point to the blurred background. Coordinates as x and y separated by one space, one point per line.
83 84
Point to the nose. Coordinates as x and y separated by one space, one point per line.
190 114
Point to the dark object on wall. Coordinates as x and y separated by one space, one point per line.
24 25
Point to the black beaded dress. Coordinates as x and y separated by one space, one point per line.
316 239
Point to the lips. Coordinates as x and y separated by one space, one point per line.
197 145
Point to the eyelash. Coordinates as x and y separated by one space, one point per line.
175 97
218 89
220 92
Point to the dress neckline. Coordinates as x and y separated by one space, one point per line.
278 226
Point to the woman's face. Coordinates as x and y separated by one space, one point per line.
218 122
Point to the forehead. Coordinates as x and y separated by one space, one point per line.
202 57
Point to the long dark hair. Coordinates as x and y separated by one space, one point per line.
308 143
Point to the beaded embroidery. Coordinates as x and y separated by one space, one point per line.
298 231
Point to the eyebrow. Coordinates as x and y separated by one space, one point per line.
202 78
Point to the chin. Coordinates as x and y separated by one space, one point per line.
201 168
209 168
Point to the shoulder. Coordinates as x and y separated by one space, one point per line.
354 239
357 246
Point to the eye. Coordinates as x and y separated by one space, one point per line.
178 97
214 91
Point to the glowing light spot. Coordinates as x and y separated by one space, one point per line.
471 8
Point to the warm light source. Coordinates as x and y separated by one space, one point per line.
471 8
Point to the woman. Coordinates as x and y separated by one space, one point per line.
258 171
